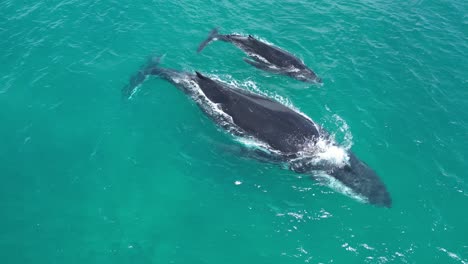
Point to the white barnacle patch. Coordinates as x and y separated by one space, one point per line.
260 58
293 69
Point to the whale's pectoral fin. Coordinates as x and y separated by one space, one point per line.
258 64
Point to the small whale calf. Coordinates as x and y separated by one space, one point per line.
289 137
266 57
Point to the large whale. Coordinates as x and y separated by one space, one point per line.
266 56
287 136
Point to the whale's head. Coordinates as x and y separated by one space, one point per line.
354 174
361 179
305 75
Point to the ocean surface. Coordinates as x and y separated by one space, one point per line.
87 177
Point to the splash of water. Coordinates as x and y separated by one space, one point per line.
342 133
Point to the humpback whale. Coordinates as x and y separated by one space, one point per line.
289 137
265 56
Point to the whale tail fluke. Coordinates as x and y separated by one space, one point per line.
212 36
138 78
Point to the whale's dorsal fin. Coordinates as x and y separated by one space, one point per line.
251 37
199 75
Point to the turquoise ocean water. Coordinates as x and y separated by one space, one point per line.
88 178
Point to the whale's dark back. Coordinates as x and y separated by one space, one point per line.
275 55
268 120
